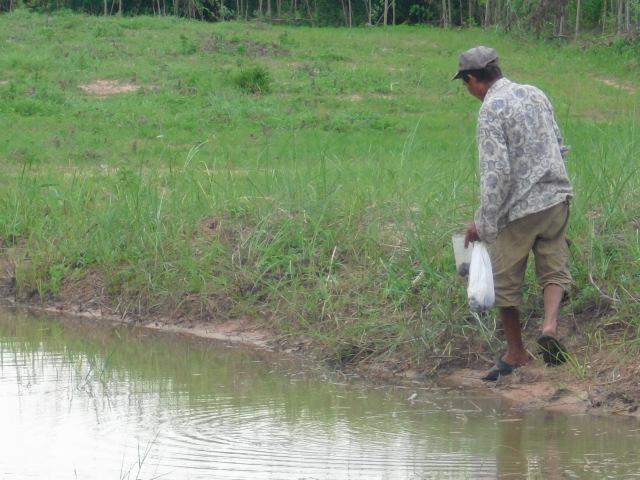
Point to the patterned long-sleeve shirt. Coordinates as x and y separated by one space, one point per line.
522 166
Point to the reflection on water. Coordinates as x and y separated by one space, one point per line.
95 401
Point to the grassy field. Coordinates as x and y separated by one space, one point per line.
309 179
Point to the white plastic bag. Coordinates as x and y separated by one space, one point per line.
480 289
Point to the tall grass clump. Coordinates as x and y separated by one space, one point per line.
254 80
141 177
607 219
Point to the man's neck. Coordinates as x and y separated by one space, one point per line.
487 86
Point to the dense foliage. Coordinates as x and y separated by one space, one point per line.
558 18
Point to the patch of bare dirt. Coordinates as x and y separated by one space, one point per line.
597 381
249 47
104 88
538 387
617 85
237 331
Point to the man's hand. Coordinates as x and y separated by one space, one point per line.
471 235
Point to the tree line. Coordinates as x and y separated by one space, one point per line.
549 18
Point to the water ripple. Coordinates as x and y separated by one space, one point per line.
135 407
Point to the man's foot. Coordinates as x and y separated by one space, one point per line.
552 350
500 369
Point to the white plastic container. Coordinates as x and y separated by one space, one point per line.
462 255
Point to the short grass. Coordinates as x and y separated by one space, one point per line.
309 178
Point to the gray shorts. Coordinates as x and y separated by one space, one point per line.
544 233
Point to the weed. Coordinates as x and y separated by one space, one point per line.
187 47
254 80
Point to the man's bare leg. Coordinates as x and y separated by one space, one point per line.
516 353
552 297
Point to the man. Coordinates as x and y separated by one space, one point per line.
525 196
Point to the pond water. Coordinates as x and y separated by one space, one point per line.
93 400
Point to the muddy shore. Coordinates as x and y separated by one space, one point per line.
601 385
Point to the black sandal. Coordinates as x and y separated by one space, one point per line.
552 350
500 369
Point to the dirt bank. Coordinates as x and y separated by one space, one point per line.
599 385
614 390
597 381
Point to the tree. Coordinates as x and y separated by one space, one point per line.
446 13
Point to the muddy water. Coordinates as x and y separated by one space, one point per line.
84 400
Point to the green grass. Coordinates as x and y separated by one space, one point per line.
309 178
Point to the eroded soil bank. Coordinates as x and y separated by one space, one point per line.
603 384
